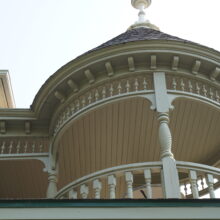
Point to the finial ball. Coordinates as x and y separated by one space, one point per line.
138 4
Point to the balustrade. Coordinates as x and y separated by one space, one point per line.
197 180
125 181
22 147
193 87
114 89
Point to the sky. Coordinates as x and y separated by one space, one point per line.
37 37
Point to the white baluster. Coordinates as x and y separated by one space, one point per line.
10 147
97 186
204 90
174 83
3 147
147 177
210 183
33 147
18 147
129 181
90 98
197 89
127 86
190 86
96 95
25 147
103 92
41 148
211 93
83 102
193 181
77 105
182 85
145 84
72 194
111 90
84 191
112 185
119 88
136 84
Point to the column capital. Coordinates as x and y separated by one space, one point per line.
163 117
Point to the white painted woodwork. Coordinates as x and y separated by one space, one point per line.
196 67
129 181
170 174
210 183
153 62
161 97
84 191
111 213
52 184
97 186
73 85
170 177
111 186
165 137
131 65
175 63
147 177
72 194
215 73
2 127
89 76
109 68
60 96
193 182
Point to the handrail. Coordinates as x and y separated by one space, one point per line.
198 167
107 172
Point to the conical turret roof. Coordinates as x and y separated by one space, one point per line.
138 34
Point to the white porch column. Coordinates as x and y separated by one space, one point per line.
170 179
52 184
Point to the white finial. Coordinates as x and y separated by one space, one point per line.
141 5
142 22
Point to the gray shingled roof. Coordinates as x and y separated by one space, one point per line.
138 34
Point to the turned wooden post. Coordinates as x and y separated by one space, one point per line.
52 184
147 177
193 181
129 181
210 183
72 194
97 186
169 174
84 191
112 185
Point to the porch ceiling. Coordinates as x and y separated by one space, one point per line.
126 132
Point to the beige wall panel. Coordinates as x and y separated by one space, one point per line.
22 179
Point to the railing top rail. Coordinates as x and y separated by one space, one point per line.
198 167
110 171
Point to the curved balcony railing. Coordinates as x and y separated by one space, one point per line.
197 180
142 180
